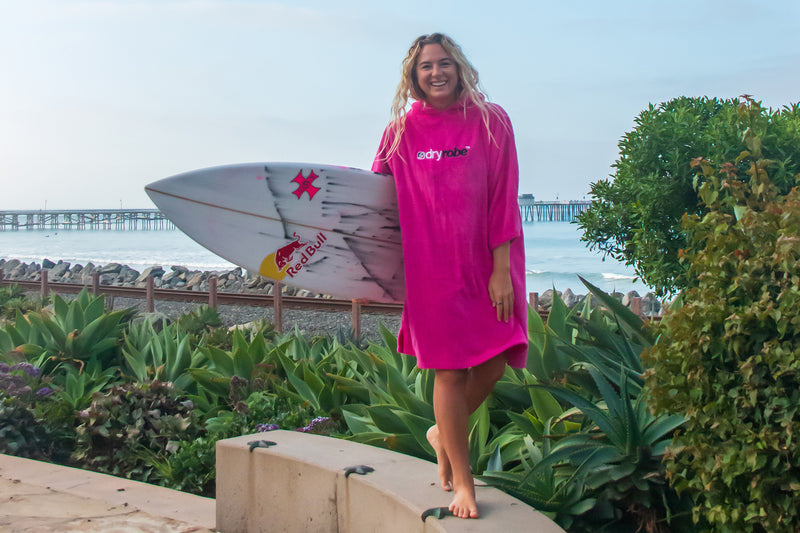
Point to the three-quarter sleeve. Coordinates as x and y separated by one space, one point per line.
504 222
381 161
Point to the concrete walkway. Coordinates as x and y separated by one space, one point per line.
41 497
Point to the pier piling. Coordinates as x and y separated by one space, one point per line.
117 219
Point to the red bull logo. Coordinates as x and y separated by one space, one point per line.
290 259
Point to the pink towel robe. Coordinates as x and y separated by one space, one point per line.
458 199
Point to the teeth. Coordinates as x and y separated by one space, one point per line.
439 84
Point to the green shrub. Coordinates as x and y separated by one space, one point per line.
122 429
13 300
32 423
584 448
731 361
203 319
191 467
635 216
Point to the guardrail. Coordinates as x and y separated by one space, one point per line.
276 300
214 298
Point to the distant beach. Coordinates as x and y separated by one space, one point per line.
554 255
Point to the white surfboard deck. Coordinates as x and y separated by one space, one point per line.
331 230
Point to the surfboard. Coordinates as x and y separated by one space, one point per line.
328 229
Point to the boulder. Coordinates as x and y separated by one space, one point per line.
8 266
20 272
569 298
179 268
235 274
89 269
76 268
167 278
111 268
155 271
546 298
626 300
46 263
194 280
128 275
59 270
650 305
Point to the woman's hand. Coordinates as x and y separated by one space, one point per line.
501 290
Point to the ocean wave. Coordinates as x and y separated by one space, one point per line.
614 275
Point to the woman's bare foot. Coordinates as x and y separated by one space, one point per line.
445 470
463 504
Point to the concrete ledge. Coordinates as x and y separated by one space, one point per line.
300 485
151 499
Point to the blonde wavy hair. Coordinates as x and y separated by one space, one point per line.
409 88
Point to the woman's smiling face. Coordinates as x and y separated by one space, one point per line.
437 75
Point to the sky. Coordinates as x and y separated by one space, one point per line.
100 97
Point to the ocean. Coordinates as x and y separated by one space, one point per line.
554 255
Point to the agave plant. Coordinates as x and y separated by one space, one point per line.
73 333
553 492
587 448
13 300
165 356
248 360
617 454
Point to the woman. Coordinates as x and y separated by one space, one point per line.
455 167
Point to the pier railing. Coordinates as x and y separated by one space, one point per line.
85 219
550 211
153 219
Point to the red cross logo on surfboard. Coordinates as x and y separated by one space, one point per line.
305 184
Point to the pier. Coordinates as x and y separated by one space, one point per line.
548 211
153 219
116 219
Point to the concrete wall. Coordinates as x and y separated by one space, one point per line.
300 485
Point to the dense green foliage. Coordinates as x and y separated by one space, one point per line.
593 460
125 422
569 434
635 216
731 360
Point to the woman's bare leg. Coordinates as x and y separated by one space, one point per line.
450 409
480 381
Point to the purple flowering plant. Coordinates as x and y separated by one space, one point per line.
322 425
20 380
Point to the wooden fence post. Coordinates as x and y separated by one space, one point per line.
45 284
356 314
636 306
212 292
277 303
150 294
95 283
533 299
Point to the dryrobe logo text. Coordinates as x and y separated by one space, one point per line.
438 155
306 184
289 260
